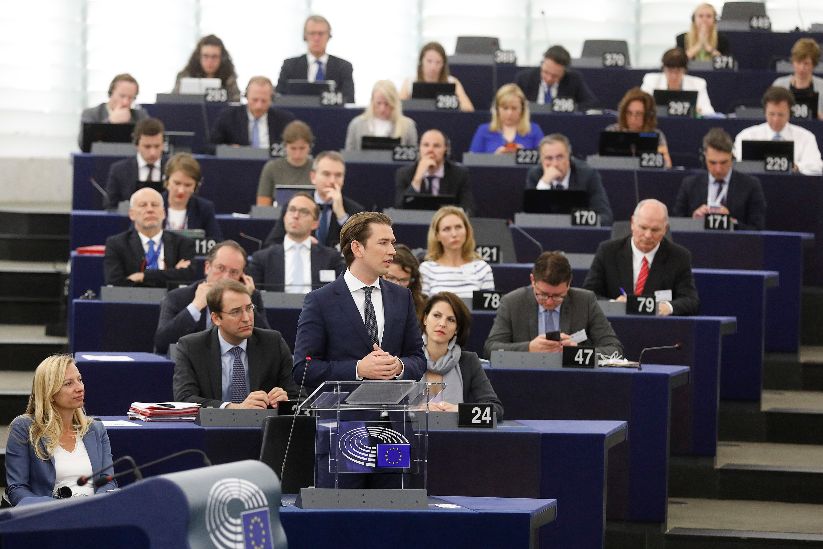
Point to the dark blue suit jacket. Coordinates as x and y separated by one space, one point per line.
331 331
200 215
745 199
122 181
30 477
268 266
337 69
583 178
571 85
232 126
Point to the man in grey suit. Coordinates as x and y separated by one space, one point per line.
234 364
548 305
298 265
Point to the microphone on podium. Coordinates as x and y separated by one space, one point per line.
674 347
137 469
530 238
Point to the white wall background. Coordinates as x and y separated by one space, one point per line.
59 55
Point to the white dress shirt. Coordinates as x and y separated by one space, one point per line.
312 61
657 81
158 244
297 286
806 152
637 261
359 295
562 184
541 92
143 170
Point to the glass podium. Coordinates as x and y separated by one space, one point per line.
371 444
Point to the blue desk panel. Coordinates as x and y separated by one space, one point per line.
522 460
723 293
112 385
638 470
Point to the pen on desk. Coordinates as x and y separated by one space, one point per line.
622 292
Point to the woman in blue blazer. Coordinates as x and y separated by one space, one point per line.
54 443
184 209
511 127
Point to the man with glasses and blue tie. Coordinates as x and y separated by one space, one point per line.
234 364
317 65
549 314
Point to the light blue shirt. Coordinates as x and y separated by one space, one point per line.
227 365
541 319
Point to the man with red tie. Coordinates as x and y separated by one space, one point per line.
646 263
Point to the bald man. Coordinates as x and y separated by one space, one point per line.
146 255
644 263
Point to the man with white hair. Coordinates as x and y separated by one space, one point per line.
146 255
646 263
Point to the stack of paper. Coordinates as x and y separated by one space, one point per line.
163 411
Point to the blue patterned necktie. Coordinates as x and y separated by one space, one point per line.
239 391
321 74
152 256
370 316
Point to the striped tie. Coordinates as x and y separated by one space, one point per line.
641 277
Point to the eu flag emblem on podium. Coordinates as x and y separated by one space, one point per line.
257 529
394 455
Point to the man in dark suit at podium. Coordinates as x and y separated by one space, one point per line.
554 79
298 265
328 175
184 310
317 65
256 124
645 263
146 255
721 189
234 364
360 326
145 169
434 174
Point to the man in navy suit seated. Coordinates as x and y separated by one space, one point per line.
256 124
184 310
146 255
317 65
299 264
553 79
360 326
558 170
145 169
720 189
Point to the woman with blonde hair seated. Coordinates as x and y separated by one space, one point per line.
702 42
383 118
54 443
511 127
452 264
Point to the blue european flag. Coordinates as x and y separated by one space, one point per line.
394 455
257 529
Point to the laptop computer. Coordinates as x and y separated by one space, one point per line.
759 150
554 201
198 86
105 132
283 193
304 87
374 143
663 98
430 90
627 143
428 201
